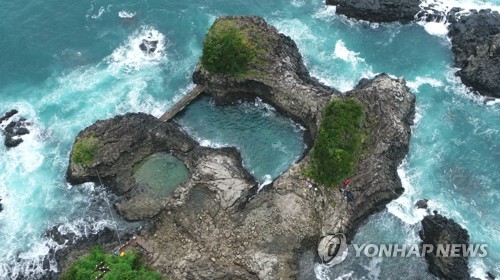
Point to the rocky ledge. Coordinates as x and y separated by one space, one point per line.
214 226
274 234
279 77
437 229
378 10
125 141
475 41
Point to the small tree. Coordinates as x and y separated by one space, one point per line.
338 144
227 49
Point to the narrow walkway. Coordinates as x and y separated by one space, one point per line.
179 106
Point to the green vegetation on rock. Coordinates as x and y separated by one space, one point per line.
84 150
227 49
338 143
128 267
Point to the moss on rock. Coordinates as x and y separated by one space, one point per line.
338 144
84 150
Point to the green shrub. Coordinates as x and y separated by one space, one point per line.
227 49
84 150
338 143
128 267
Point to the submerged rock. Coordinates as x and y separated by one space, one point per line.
8 115
148 46
475 42
14 130
422 204
378 10
439 230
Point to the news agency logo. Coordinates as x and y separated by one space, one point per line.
332 249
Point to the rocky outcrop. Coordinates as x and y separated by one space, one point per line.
377 10
437 229
476 44
389 111
125 141
215 226
270 235
14 130
421 204
279 77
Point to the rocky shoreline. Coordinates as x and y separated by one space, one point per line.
214 226
475 39
378 10
475 35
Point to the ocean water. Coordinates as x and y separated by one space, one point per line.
66 65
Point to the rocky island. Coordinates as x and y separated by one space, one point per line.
214 224
475 39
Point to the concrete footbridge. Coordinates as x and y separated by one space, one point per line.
181 104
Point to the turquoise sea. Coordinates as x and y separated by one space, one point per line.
64 65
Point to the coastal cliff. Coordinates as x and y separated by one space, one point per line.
475 39
215 225
378 10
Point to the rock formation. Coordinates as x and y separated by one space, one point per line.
215 226
422 204
124 141
437 229
14 130
280 77
476 44
378 10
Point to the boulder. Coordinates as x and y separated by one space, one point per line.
437 229
475 39
8 115
421 204
378 10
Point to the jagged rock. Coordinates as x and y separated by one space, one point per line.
378 10
490 276
14 129
8 115
437 229
12 142
148 46
475 42
422 204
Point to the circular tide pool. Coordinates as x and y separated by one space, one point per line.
162 173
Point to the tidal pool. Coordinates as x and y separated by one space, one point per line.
162 173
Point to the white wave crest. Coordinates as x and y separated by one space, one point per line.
343 53
129 57
126 14
404 206
419 81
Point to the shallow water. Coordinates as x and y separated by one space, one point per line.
162 173
66 65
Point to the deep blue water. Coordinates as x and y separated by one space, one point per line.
66 65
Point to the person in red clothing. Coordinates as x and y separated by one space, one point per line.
347 182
